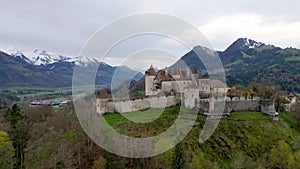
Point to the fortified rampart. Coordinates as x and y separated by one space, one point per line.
129 105
242 105
265 106
211 107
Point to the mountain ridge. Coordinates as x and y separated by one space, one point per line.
246 61
18 70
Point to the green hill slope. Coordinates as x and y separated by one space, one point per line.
253 63
244 141
238 142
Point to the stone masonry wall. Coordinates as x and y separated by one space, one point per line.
245 105
267 106
140 104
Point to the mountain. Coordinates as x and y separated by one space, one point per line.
15 71
191 59
244 44
247 61
45 69
38 57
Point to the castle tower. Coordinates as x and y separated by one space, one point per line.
195 76
149 81
101 101
191 96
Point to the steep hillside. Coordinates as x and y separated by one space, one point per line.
18 70
247 61
239 142
265 63
14 71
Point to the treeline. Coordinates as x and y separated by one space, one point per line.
7 99
41 137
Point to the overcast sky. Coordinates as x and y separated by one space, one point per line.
64 26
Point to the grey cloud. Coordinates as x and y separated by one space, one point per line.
65 25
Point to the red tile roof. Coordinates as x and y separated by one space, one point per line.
104 94
151 71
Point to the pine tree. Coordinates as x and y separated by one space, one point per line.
19 133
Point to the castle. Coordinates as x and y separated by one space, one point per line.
172 86
183 82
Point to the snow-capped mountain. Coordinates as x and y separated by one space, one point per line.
47 69
244 44
38 57
13 52
44 58
251 43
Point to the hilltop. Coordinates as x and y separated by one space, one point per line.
246 61
247 140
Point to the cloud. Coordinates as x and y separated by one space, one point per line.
140 60
222 31
65 26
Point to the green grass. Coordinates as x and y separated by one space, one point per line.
16 88
114 118
30 91
260 49
140 93
55 99
272 66
290 121
237 62
56 109
155 124
68 135
293 59
50 94
246 56
292 51
298 94
36 94
247 115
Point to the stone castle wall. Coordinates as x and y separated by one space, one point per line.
137 104
265 106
